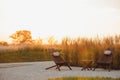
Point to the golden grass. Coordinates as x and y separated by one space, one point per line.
78 49
73 50
85 78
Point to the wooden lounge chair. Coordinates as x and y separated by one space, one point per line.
106 60
58 60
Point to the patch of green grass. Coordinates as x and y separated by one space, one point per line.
24 56
85 78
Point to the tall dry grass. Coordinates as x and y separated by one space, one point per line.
73 50
79 49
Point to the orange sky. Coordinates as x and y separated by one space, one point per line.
60 18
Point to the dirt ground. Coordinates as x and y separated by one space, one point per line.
36 71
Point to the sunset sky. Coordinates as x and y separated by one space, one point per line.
60 18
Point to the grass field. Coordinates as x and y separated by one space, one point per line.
84 78
73 51
26 54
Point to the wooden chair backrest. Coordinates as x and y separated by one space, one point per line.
106 58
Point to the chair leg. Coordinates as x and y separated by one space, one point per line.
109 68
58 67
69 67
50 67
94 67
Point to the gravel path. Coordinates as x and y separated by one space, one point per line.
36 71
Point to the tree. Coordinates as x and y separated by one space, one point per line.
21 36
3 43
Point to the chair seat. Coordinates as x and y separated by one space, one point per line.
59 61
105 60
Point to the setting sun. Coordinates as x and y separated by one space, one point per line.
60 18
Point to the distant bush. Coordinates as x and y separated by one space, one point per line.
3 43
